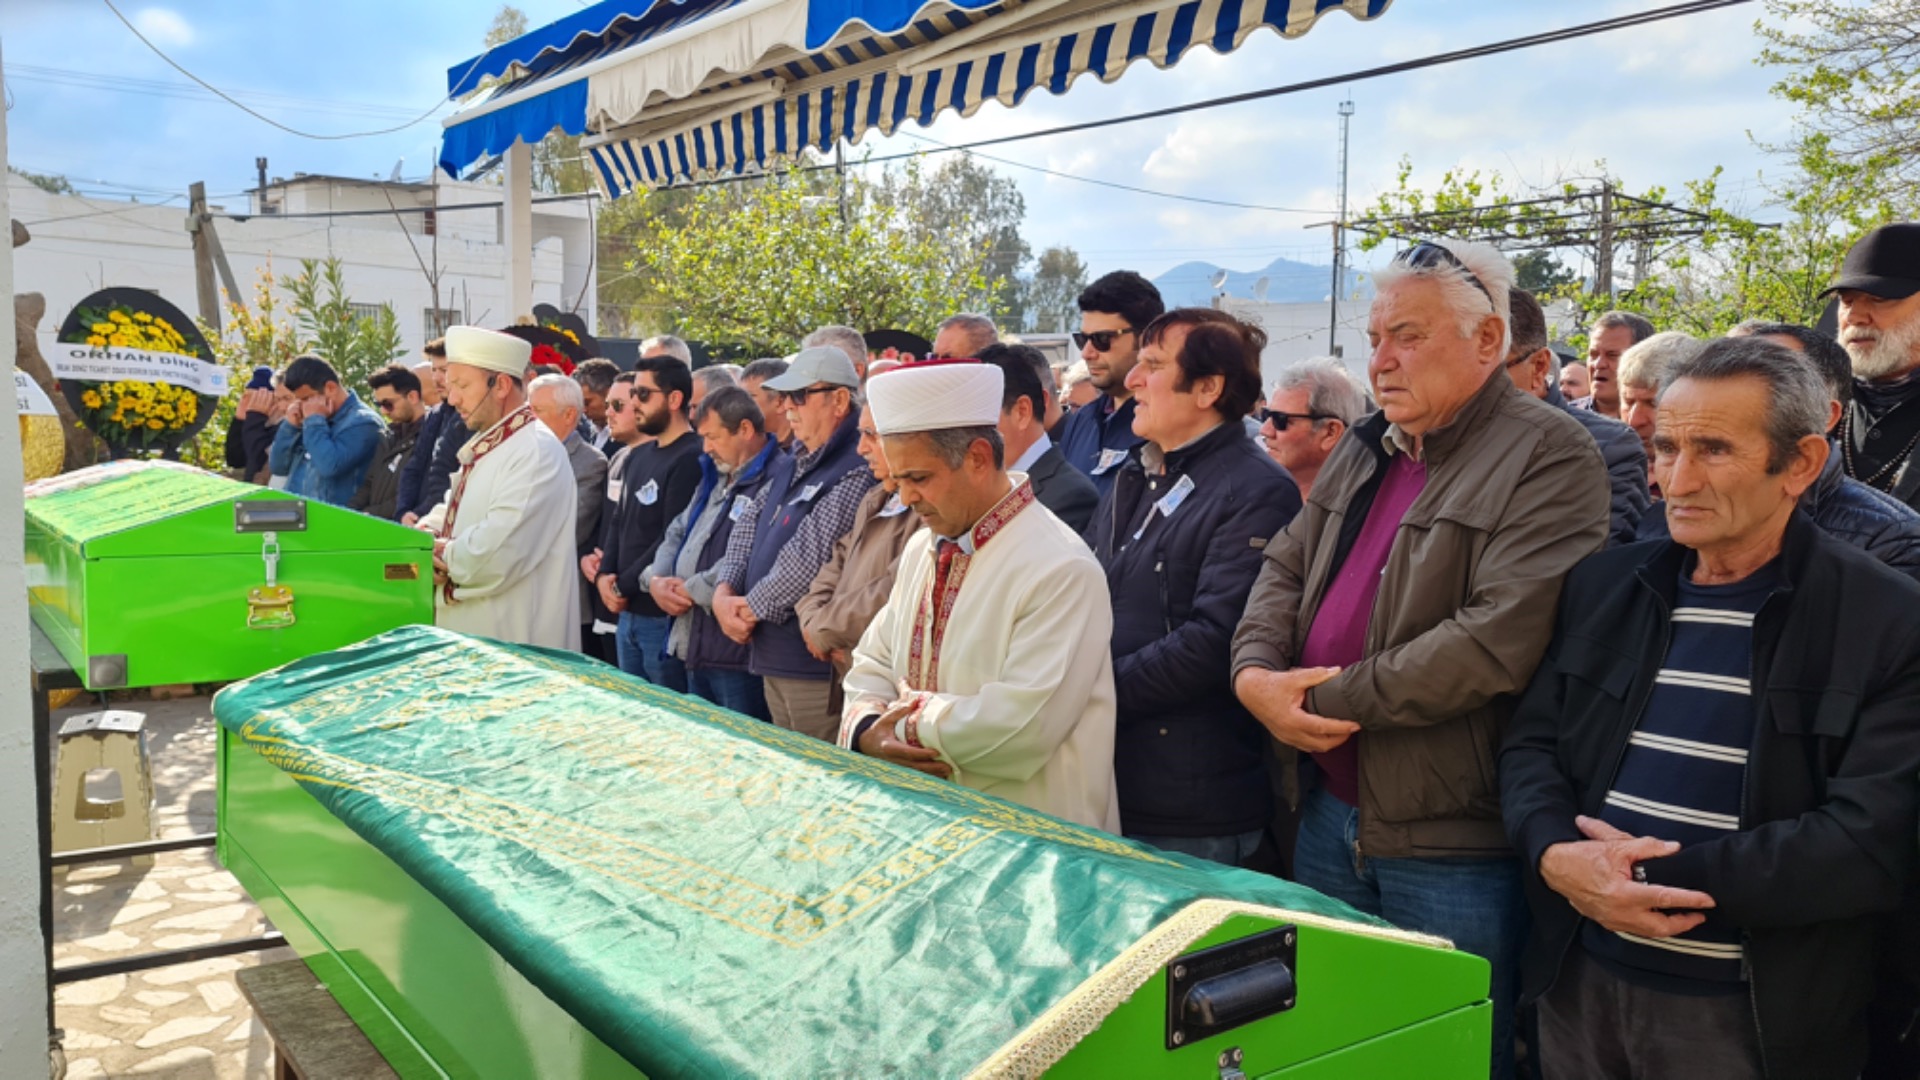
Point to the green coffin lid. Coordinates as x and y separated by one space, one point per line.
106 499
713 896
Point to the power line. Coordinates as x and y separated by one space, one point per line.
231 100
180 91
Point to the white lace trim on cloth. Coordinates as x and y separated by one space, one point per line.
1076 1016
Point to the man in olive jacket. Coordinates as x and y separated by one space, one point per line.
1396 617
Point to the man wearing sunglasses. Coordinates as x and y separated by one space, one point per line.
1314 402
1113 310
1398 617
623 434
396 393
789 532
658 480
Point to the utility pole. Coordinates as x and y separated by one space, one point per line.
1339 235
203 286
840 171
1603 247
208 258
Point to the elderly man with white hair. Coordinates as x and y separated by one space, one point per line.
1313 403
559 402
1397 616
990 664
503 550
1642 371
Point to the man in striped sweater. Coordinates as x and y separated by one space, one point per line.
1711 779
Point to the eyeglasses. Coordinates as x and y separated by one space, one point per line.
1522 358
1102 339
799 397
644 394
387 405
1426 255
618 405
1281 419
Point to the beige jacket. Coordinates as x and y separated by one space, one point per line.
852 587
1516 494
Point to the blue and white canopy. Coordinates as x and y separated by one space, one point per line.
668 91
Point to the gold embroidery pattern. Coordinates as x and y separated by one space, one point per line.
713 768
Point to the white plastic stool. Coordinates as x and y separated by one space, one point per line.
115 741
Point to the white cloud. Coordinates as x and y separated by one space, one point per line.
164 27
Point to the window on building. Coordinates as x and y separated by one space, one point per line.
368 311
436 320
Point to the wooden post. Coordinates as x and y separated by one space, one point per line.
516 231
204 288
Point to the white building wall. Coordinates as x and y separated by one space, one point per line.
81 245
1299 332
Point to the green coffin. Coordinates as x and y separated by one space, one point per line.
513 862
140 573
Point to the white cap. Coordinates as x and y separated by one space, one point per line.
488 350
936 395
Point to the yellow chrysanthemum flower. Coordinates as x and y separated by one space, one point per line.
119 317
96 341
103 328
155 425
90 399
142 316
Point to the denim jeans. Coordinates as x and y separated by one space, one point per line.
740 691
1477 903
643 651
1231 850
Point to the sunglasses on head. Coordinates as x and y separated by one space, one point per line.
1426 255
1281 419
1102 339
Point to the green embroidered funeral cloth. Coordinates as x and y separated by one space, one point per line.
708 894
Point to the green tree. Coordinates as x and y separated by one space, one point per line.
1059 277
972 214
1539 272
329 325
759 265
1853 66
252 336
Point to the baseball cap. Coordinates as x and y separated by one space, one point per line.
820 364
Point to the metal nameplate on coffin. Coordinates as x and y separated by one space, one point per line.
402 571
270 515
1226 986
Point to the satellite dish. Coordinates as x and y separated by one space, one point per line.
1218 279
1260 288
394 177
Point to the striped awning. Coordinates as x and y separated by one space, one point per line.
683 91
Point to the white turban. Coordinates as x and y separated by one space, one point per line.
488 350
936 395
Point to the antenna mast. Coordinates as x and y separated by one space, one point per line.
1339 235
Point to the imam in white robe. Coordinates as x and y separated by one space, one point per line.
511 556
1019 675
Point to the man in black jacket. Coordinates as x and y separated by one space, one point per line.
1531 366
428 473
1845 508
1180 536
1059 486
396 393
1879 292
1710 780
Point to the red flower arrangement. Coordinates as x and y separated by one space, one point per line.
549 356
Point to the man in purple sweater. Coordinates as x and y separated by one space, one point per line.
1394 620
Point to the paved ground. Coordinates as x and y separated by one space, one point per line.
187 1022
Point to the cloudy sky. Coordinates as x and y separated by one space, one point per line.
1660 104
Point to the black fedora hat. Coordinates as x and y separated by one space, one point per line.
1884 263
